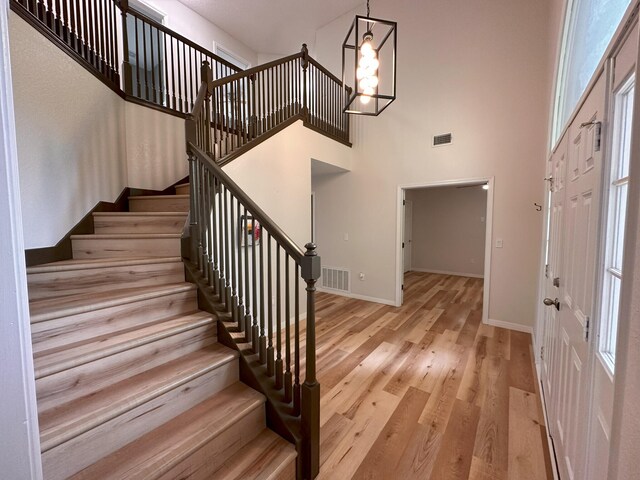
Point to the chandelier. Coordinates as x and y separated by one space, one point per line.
369 59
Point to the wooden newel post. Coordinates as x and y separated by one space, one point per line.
193 218
127 75
305 89
206 75
310 411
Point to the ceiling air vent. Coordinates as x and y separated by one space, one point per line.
440 140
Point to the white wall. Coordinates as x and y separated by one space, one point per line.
19 440
70 133
449 226
155 148
277 175
480 71
189 24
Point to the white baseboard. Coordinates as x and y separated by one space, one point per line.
443 272
357 296
510 326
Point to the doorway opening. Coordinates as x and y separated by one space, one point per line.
444 233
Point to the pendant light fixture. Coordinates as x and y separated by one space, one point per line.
369 61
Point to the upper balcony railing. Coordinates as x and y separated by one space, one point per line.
146 62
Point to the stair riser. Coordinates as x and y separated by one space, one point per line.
125 247
81 451
209 457
150 204
182 189
125 224
83 326
56 284
89 377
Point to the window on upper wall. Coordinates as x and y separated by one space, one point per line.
617 212
588 28
146 53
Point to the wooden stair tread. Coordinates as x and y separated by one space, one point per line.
159 450
91 263
140 214
132 236
50 308
264 458
157 197
73 418
50 362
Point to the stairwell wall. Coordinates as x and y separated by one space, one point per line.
480 70
70 134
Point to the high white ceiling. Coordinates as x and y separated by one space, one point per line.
272 26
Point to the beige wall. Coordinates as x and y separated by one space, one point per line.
188 23
70 133
481 71
155 148
449 226
277 175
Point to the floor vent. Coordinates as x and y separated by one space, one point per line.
440 140
336 279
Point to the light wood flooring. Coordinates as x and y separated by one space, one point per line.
426 391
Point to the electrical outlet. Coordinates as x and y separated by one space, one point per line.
346 237
361 276
499 243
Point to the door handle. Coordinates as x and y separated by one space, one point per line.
548 302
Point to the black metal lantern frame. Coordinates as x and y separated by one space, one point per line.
374 29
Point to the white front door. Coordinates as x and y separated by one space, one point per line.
556 179
408 229
578 211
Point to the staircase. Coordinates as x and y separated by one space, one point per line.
131 380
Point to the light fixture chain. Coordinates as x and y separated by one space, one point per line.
367 8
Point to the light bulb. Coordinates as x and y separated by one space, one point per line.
373 64
368 82
368 91
364 99
485 187
361 73
365 62
367 50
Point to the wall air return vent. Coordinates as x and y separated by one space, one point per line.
336 279
440 140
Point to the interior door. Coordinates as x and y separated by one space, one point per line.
408 229
576 285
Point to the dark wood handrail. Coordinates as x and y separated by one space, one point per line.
296 253
323 69
253 70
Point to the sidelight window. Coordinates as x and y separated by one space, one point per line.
617 212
